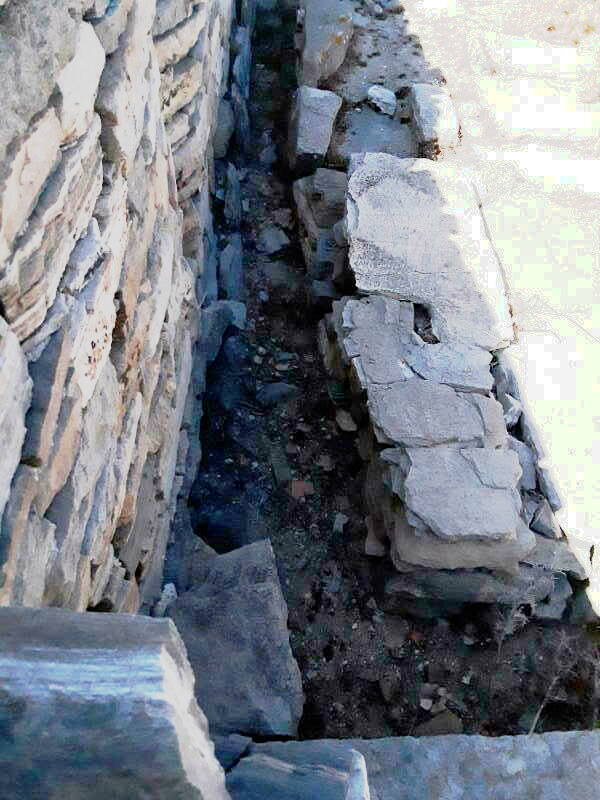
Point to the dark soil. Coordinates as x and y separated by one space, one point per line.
355 685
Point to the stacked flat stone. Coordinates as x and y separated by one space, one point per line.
106 249
446 484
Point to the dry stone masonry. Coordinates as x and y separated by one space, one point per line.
457 489
107 271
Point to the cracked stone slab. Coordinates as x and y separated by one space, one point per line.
379 333
418 413
416 233
460 494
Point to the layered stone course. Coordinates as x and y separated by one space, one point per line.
110 111
457 488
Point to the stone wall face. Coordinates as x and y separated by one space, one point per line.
110 108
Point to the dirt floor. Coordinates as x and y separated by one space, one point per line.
288 472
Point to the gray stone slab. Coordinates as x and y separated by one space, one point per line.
327 31
329 770
549 766
416 233
361 130
97 706
234 625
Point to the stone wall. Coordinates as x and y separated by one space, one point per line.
110 110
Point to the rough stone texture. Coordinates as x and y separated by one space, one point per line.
327 31
549 765
434 119
311 124
300 771
416 233
100 706
534 164
254 687
95 211
363 130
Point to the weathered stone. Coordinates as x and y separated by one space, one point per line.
272 240
119 689
231 268
229 749
556 557
178 42
300 771
233 200
240 600
77 84
170 13
15 396
311 125
327 31
434 118
382 99
112 22
224 129
545 522
420 413
363 129
464 494
441 725
404 768
416 233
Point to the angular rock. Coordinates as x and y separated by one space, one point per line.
114 698
300 771
434 119
382 99
254 688
224 129
178 42
15 396
272 240
311 125
231 268
327 31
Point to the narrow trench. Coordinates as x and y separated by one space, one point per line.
276 464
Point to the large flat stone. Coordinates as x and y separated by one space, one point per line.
111 698
234 624
553 766
416 233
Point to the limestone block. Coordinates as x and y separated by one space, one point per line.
327 33
25 175
240 600
178 127
180 86
78 84
124 87
240 71
434 118
110 25
416 233
384 100
36 42
463 494
29 283
311 125
170 13
15 396
421 413
224 129
177 43
112 698
550 765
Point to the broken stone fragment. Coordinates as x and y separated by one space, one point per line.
327 31
382 99
272 240
311 125
331 770
224 129
119 691
240 601
363 129
434 118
